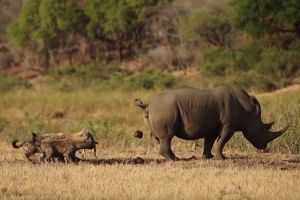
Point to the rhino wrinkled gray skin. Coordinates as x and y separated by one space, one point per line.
214 115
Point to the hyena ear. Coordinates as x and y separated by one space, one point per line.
34 136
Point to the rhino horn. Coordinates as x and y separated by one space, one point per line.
274 135
269 125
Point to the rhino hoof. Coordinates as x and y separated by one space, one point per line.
208 156
138 134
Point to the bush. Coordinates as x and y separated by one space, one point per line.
250 80
151 78
223 61
71 78
9 83
278 63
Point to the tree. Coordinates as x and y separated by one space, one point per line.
117 21
46 21
268 17
211 23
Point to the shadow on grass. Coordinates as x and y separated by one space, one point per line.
130 161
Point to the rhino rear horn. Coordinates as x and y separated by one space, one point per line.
269 125
274 135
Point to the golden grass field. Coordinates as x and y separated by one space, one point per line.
117 173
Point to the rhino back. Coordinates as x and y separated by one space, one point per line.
193 113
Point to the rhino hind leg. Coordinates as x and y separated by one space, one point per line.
208 144
165 149
226 133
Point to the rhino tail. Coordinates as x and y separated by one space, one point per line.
139 103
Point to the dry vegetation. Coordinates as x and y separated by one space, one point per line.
115 176
117 173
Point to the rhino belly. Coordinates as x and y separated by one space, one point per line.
196 133
196 125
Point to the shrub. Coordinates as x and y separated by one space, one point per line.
151 78
9 83
224 61
278 63
70 78
250 80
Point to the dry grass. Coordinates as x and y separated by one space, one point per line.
114 176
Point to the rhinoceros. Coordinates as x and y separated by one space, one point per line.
213 114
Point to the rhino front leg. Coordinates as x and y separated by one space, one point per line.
165 149
208 144
226 133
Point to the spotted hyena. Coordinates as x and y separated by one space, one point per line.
30 149
61 148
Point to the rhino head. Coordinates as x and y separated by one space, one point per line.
257 132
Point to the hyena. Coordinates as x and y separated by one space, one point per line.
61 148
30 149
87 134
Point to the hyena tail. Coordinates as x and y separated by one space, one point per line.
14 144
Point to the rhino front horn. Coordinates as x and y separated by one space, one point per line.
274 135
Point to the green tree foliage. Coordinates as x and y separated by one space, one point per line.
43 20
117 20
265 16
59 15
27 26
210 22
118 15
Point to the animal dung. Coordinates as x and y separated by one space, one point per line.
138 134
138 160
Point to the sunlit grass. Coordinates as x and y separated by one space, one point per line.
112 117
195 179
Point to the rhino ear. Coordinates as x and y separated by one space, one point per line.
255 106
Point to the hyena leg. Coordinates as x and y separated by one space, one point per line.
69 157
28 154
48 159
95 153
49 155
43 157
